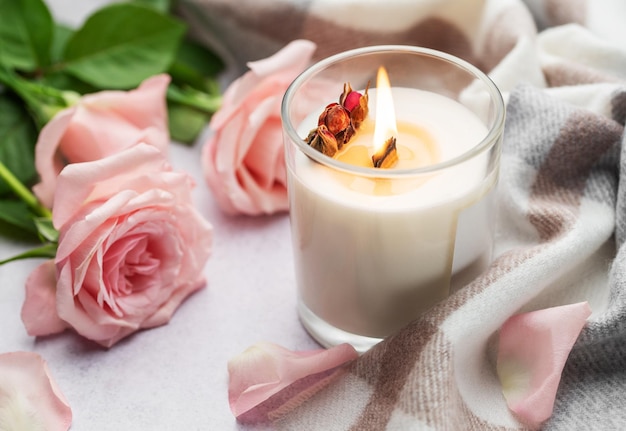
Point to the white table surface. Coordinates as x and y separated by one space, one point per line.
173 377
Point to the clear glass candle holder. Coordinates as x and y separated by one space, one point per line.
375 248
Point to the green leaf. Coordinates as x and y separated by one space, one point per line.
48 251
42 101
199 58
64 81
62 35
185 123
46 229
162 6
25 34
122 44
17 214
202 101
194 64
18 136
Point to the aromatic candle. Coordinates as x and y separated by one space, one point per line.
375 248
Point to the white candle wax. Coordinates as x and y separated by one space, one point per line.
372 254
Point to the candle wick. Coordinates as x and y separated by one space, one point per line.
387 157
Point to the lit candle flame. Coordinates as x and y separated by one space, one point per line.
385 126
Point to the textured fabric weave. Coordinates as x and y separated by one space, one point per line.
561 66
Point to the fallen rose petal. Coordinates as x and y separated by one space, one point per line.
532 351
29 398
39 312
265 369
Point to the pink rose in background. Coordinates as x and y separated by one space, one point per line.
131 248
101 124
532 351
264 370
29 398
243 160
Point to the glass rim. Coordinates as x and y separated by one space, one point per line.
492 136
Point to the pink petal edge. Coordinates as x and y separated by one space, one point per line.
296 54
26 375
265 369
532 352
39 311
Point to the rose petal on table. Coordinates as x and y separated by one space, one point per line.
265 369
39 311
29 398
532 351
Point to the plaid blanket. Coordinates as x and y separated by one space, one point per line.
561 65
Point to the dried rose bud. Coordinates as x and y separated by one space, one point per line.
335 117
343 97
344 136
339 121
356 103
352 100
323 141
360 111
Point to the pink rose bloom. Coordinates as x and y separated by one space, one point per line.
267 370
29 398
532 351
131 248
101 124
243 160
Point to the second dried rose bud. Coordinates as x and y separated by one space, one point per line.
356 103
323 141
